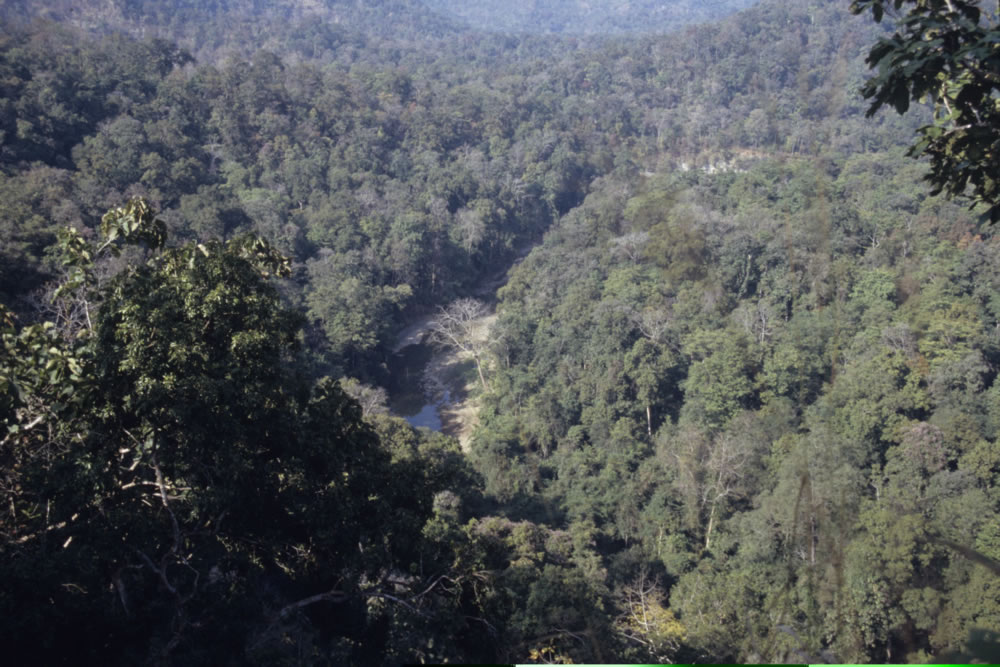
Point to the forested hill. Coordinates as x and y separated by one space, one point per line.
394 173
208 28
241 25
583 17
387 17
740 402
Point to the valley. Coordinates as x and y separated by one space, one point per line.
422 331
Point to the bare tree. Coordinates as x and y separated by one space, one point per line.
646 620
757 319
631 244
459 327
373 400
714 472
654 323
725 470
471 228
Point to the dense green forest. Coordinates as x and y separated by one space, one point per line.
583 17
739 402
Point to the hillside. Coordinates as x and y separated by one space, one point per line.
737 402
217 27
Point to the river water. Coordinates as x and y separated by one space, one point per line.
408 397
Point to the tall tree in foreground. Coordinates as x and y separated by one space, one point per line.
945 52
175 492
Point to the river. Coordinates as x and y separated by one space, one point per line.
435 387
409 395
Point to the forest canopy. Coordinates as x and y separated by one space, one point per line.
738 401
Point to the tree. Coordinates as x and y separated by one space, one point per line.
175 489
720 379
459 326
646 621
712 474
650 368
944 51
353 309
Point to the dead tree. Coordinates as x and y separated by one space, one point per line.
458 327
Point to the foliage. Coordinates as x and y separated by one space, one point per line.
172 479
584 18
944 53
739 401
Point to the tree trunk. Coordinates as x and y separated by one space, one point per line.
708 533
812 540
479 369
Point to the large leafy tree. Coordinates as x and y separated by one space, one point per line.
176 490
945 52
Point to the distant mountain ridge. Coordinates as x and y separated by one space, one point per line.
177 19
426 18
586 16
